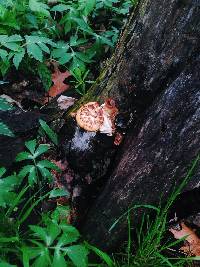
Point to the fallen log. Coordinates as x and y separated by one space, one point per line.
154 75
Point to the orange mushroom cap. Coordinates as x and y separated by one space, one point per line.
90 117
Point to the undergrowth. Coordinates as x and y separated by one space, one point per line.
31 237
75 34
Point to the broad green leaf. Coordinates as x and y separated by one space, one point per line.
65 58
48 164
35 51
41 233
83 25
58 192
78 255
83 57
60 212
74 41
25 170
7 184
70 235
4 66
32 178
45 76
38 6
41 150
31 145
18 57
25 256
4 130
44 47
4 105
58 260
60 7
46 174
2 171
43 260
3 54
6 264
53 232
87 6
6 198
23 156
77 63
50 133
14 38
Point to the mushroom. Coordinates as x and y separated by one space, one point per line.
90 117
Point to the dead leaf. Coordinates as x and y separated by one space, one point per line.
59 86
118 139
192 241
64 102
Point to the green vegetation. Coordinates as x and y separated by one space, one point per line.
72 33
51 241
76 35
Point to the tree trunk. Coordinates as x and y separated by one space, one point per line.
154 75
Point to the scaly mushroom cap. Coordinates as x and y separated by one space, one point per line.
90 117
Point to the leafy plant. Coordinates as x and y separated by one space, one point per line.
151 250
7 186
65 32
4 129
38 168
50 133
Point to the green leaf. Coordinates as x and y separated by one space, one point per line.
25 170
83 57
34 51
58 192
83 25
45 76
25 257
6 264
4 105
23 156
46 174
50 133
32 178
2 171
105 257
53 232
48 164
58 260
60 8
4 130
87 6
31 145
3 54
18 57
43 260
78 255
7 184
4 66
65 58
70 235
40 232
41 150
44 47
38 6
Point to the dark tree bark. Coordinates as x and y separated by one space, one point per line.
154 74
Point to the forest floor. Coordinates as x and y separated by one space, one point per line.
51 53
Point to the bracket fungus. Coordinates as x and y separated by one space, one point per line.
92 117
